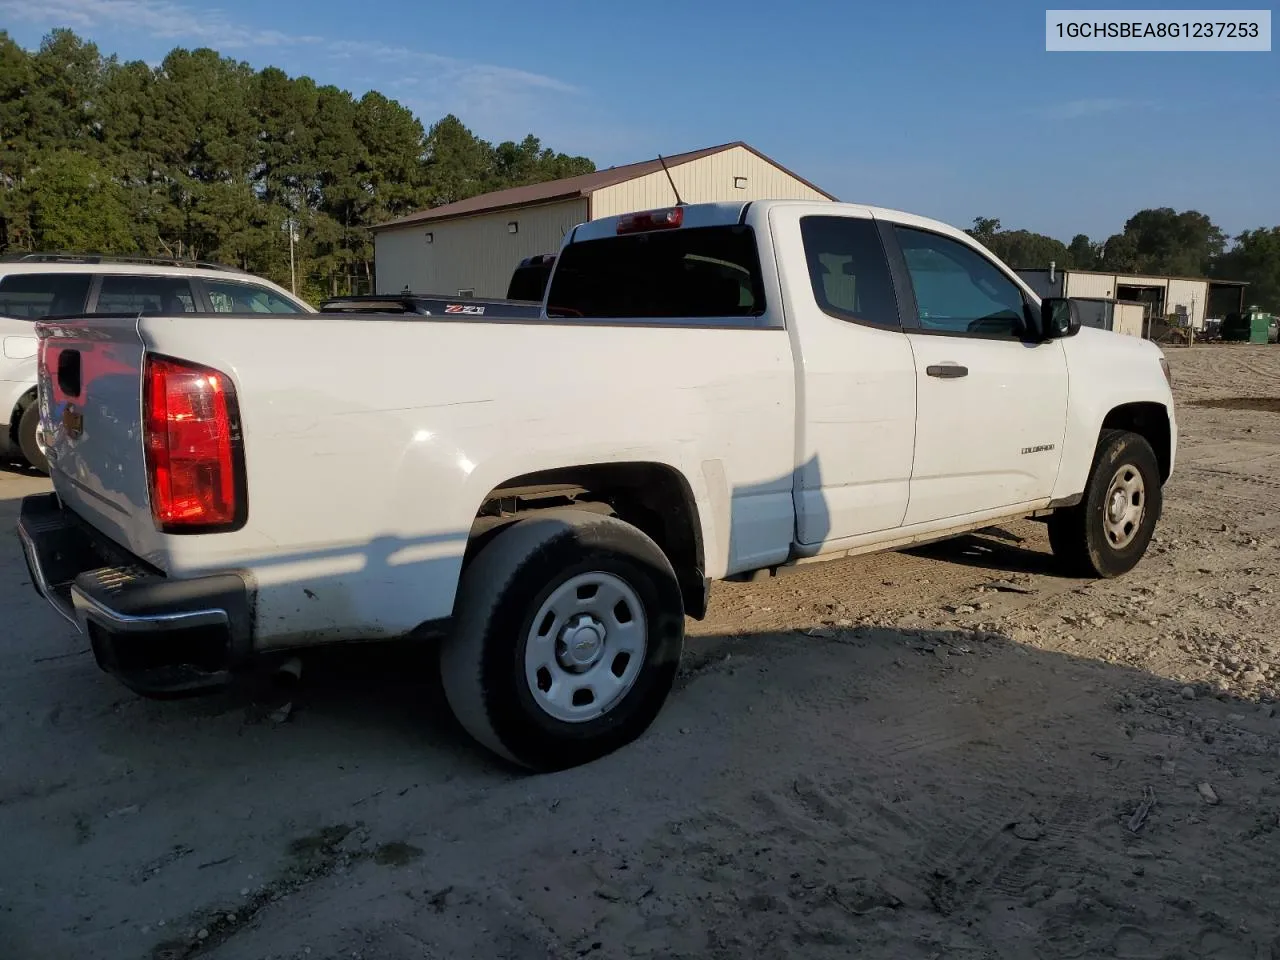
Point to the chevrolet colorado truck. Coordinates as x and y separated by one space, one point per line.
711 391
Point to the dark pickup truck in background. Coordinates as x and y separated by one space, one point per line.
524 297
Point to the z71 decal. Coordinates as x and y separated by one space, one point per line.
463 308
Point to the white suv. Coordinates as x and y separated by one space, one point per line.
38 285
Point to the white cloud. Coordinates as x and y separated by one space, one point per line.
487 96
157 18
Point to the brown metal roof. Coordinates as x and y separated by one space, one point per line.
572 187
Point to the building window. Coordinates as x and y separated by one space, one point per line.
513 227
740 183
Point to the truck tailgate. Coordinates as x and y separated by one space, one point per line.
91 417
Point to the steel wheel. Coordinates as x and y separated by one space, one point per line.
585 647
1125 501
1107 533
566 641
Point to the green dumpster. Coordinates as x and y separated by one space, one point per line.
1252 327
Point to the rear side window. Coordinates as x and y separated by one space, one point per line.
698 272
30 296
848 270
128 294
231 297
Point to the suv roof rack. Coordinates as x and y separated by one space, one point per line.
104 258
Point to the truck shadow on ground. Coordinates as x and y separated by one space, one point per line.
992 548
883 790
905 791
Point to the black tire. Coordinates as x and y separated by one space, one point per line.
30 450
483 661
1079 535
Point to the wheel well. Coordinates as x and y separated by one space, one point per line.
651 496
1150 421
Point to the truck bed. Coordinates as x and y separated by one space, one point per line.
373 443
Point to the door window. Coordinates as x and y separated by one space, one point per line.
848 270
231 297
138 294
30 296
957 289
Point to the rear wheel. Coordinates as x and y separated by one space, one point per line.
566 641
27 426
1108 532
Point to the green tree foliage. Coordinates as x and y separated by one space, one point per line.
985 230
1155 242
1163 241
73 203
1018 248
204 157
1083 253
1256 258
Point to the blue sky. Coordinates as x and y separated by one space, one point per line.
945 109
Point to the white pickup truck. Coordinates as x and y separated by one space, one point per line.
713 391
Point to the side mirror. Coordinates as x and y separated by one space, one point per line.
1059 317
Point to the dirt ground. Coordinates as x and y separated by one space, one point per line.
940 754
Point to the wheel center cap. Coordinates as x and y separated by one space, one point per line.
1117 505
581 642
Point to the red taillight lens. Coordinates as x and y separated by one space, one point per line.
651 220
195 459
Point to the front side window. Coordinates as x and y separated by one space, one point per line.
848 270
30 296
957 289
138 294
231 297
686 273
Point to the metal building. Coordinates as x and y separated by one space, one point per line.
1190 299
471 247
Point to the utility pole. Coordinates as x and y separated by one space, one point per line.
291 224
293 269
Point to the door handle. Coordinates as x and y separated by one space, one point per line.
947 371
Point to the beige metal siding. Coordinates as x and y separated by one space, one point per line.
708 180
1127 319
1190 294
472 253
1090 285
397 257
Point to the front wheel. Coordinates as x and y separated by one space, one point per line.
566 639
1108 532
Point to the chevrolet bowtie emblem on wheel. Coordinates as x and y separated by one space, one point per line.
72 421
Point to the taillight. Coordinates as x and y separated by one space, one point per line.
667 219
195 457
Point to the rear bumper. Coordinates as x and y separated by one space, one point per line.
158 636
